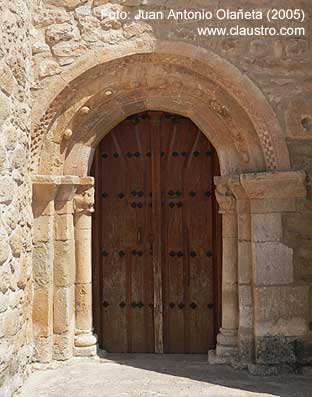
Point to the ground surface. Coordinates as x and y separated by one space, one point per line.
160 376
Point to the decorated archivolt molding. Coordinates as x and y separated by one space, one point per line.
258 111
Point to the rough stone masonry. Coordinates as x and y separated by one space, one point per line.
46 50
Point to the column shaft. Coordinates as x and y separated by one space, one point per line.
85 340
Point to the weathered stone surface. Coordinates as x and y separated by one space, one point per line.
58 32
63 346
286 314
42 263
267 227
10 138
16 242
64 263
70 4
39 48
136 29
49 68
63 310
275 350
273 263
7 190
5 107
68 49
4 249
298 226
49 16
7 81
42 319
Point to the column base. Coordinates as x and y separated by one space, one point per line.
226 349
85 345
214 359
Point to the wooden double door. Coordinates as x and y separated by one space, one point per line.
156 237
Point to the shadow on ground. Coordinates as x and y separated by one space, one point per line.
143 375
196 367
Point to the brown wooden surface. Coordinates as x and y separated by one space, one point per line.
171 290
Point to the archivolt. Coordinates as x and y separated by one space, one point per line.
104 87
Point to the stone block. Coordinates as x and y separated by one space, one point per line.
68 4
260 206
64 228
63 310
43 228
7 80
64 263
59 32
246 346
16 242
274 185
4 249
10 322
303 263
281 311
68 49
297 226
229 225
272 263
49 68
267 227
304 351
244 226
244 262
42 312
245 306
5 107
229 259
276 349
42 259
43 348
7 187
63 346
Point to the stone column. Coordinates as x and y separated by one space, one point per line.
245 273
44 190
64 270
227 347
85 339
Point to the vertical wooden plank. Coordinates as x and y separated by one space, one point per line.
155 118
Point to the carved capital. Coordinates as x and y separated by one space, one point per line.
84 200
225 198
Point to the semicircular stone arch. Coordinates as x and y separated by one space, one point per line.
86 101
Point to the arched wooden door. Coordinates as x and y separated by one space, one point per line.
156 237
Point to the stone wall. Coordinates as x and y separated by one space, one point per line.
15 195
